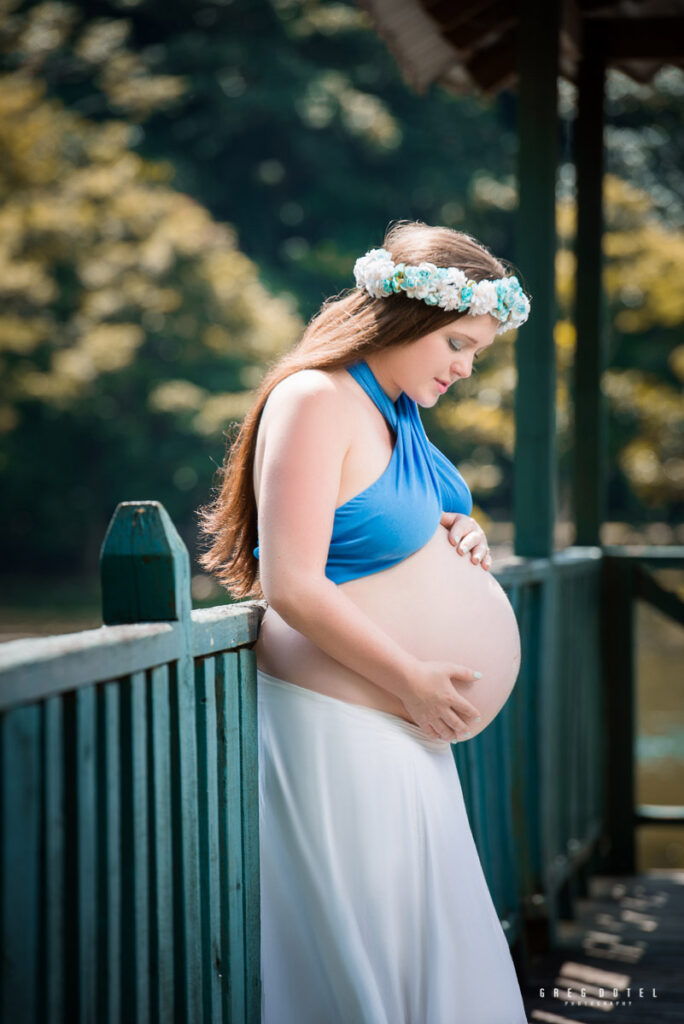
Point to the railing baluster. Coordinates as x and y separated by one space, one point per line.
188 966
162 884
86 840
210 885
250 830
230 838
50 986
110 831
20 792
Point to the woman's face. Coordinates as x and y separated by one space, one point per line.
444 355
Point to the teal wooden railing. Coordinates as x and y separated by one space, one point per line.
129 855
129 873
628 578
533 781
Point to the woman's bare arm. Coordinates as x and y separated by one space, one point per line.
308 436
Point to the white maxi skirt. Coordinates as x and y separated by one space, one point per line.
374 905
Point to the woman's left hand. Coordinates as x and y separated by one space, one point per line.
467 536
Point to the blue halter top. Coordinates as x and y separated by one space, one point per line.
399 512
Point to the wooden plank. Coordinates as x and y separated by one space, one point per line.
20 793
617 636
658 38
665 557
52 961
40 667
71 867
662 814
135 936
188 965
210 878
250 831
144 566
227 685
226 626
496 774
534 736
86 841
110 851
162 883
535 399
590 421
511 879
630 929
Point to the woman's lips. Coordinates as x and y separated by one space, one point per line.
441 385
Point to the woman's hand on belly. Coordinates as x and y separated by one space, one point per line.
436 706
467 535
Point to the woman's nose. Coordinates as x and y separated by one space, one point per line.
462 369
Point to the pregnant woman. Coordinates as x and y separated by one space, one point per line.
385 639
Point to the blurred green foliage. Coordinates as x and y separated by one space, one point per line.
180 187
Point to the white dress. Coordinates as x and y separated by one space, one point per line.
374 905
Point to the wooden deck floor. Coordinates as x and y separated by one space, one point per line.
628 935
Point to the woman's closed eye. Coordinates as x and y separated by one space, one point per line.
460 346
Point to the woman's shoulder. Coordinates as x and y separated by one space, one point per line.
327 388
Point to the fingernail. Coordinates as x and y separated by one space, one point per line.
465 735
478 718
478 675
477 558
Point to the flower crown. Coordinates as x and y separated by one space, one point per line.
447 287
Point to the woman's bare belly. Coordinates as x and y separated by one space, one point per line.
438 606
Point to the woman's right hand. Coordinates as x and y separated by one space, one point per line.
434 703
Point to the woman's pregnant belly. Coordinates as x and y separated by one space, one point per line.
438 606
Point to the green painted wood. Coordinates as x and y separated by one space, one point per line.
135 931
20 743
71 891
147 811
617 635
230 838
667 602
85 840
250 831
144 566
534 473
51 992
670 556
495 813
210 878
226 627
589 422
510 877
188 964
110 851
162 880
526 820
663 814
39 667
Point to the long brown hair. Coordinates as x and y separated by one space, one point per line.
348 327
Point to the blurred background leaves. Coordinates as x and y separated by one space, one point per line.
182 185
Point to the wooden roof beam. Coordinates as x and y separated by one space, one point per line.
638 38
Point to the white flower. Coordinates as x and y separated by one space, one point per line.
484 298
375 269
